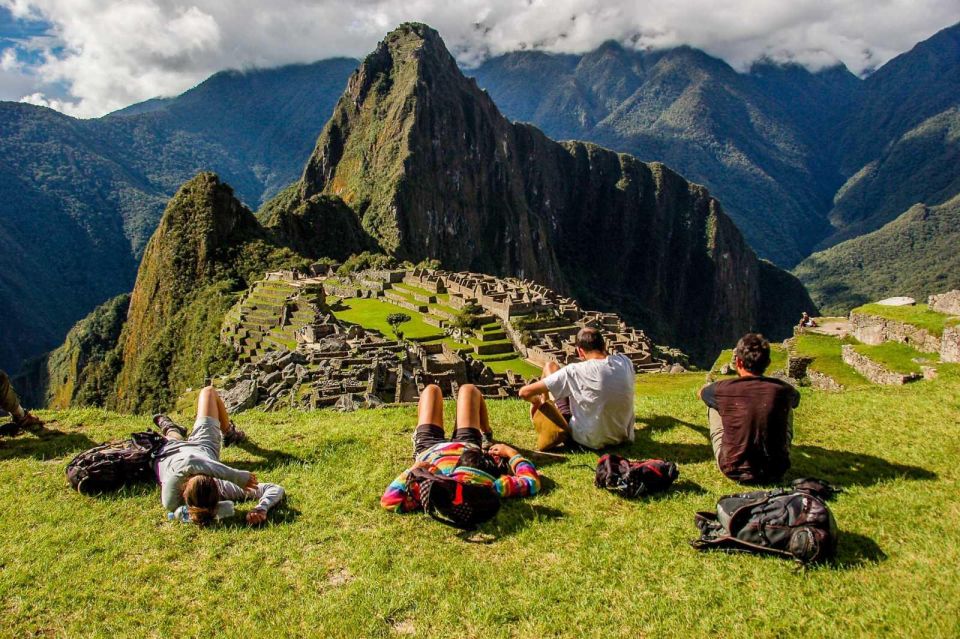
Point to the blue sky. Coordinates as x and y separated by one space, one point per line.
89 57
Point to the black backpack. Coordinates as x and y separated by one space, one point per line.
455 503
634 478
111 465
790 522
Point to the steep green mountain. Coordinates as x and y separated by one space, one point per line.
901 94
433 170
753 139
897 143
64 207
915 255
80 198
207 246
82 371
920 166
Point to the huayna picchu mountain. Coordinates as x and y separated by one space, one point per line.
417 162
433 170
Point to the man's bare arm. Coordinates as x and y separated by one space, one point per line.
533 392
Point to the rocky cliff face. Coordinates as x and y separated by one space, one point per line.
433 170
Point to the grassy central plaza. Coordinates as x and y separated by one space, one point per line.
372 313
572 561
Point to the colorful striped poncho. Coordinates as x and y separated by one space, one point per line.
404 496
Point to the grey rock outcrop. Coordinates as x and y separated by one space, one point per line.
242 396
948 303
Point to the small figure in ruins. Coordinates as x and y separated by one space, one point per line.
806 321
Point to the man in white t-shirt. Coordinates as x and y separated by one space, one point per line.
595 395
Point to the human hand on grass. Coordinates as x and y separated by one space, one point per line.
256 516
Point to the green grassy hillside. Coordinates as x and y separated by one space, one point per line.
914 255
573 561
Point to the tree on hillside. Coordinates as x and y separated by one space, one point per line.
395 320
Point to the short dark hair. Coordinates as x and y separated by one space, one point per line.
753 350
591 340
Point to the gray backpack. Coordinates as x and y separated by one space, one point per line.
790 522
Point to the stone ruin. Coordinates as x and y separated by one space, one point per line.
293 352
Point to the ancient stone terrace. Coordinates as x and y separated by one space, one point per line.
295 351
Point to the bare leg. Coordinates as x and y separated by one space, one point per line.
471 409
549 369
210 405
430 407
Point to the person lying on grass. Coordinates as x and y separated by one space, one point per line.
191 474
501 469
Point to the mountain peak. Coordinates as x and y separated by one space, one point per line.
432 169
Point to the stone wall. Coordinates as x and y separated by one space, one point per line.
873 371
950 344
873 330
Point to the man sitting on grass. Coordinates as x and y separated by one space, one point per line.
751 417
594 396
10 403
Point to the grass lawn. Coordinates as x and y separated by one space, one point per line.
574 561
919 315
895 356
828 358
516 363
372 314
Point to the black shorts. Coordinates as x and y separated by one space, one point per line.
563 405
429 435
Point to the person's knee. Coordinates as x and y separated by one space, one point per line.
550 368
208 393
431 391
468 392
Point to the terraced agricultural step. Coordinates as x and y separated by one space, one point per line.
493 348
874 370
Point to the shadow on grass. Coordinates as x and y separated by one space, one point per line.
51 444
543 459
646 447
855 550
842 468
268 458
839 467
514 516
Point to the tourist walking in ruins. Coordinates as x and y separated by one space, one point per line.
10 403
751 417
194 484
594 396
454 479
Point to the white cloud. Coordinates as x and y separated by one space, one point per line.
110 53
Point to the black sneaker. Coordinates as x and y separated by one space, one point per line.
165 424
29 422
234 436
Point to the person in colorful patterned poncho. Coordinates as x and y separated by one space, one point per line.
501 467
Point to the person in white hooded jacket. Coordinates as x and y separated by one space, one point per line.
194 484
